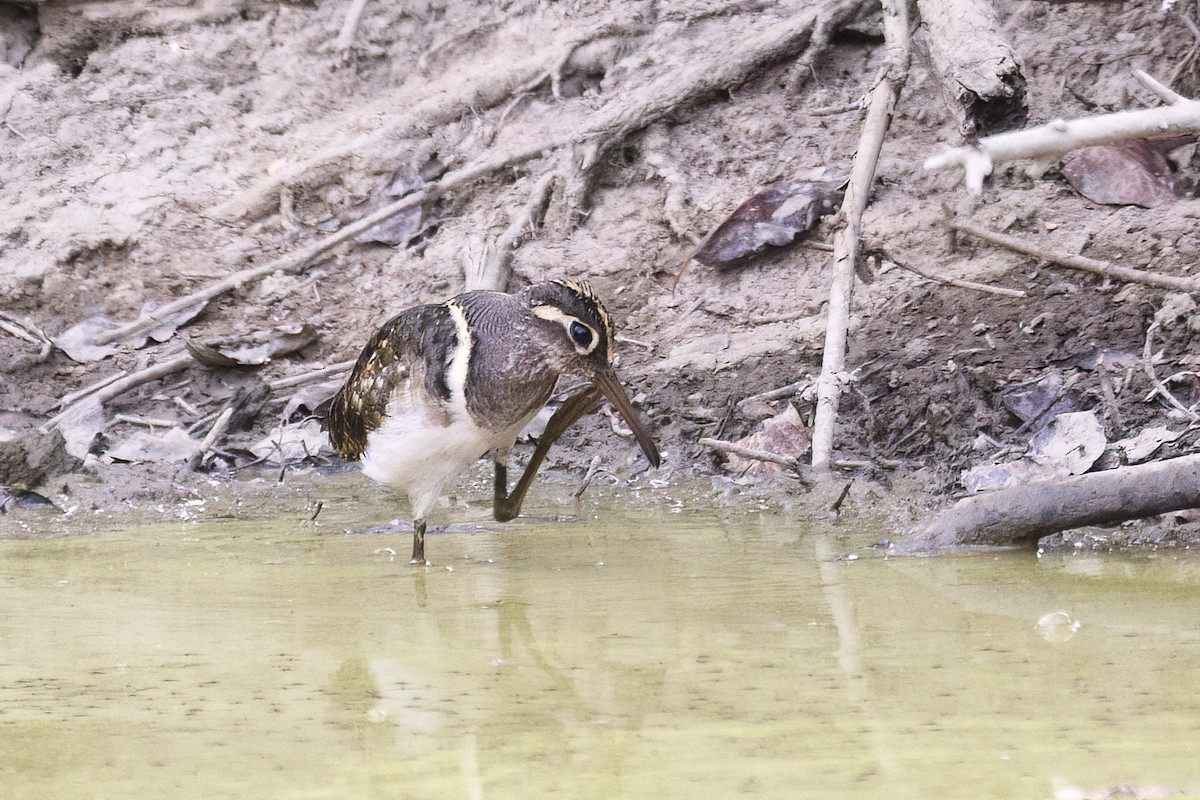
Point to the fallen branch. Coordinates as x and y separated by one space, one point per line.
979 70
309 377
1083 263
1047 142
802 470
846 240
103 392
958 282
300 259
1024 514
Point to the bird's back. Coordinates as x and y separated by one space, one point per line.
406 358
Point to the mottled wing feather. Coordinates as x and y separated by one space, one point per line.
411 348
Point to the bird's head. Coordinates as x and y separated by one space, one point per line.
580 334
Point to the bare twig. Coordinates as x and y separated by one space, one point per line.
846 241
791 390
593 468
958 282
1084 263
309 377
802 470
1052 140
102 394
1160 388
214 434
149 422
345 39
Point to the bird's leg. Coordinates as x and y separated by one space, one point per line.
506 506
418 556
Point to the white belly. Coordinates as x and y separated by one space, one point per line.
411 454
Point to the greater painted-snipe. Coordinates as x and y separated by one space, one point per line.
439 386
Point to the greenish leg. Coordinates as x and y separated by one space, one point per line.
507 506
418 556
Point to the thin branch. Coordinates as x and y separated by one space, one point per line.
217 431
104 393
309 377
802 470
1058 137
1095 266
791 390
1160 388
345 40
957 282
846 241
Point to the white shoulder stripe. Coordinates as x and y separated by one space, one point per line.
456 368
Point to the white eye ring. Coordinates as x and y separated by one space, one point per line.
582 336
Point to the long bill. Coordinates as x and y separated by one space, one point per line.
611 386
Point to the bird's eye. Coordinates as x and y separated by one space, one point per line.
581 334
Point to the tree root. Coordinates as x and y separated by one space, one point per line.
1020 515
608 125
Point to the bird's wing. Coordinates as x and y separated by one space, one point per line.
409 353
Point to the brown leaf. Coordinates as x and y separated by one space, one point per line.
172 447
774 217
253 349
79 341
1134 172
784 434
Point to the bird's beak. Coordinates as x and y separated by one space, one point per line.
611 386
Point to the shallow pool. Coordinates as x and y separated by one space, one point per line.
649 653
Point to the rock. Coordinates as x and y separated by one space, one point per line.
29 456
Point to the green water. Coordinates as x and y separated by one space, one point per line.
656 654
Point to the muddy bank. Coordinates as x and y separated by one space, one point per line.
153 150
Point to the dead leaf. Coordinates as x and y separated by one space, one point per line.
774 217
255 349
79 341
293 442
402 229
1043 400
1069 445
168 325
174 446
80 423
785 434
1146 443
1134 172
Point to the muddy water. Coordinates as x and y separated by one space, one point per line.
653 654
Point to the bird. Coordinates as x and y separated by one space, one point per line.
441 385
